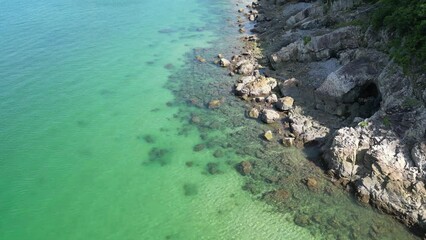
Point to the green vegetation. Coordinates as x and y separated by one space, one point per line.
386 121
406 20
363 124
355 22
411 102
306 39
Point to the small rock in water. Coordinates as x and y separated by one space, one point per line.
218 153
244 167
190 189
199 147
253 113
200 59
241 30
223 62
213 104
189 163
195 119
268 135
311 183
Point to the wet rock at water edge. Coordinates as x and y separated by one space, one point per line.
268 135
190 189
285 103
244 168
288 141
223 62
269 116
213 168
272 99
199 147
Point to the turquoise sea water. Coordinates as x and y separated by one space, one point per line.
90 146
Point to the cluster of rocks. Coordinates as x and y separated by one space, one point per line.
367 115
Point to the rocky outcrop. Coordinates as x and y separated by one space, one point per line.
319 47
368 116
255 86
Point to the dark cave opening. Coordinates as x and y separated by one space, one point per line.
369 99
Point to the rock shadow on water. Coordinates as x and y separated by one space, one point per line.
190 189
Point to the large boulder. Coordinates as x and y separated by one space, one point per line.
285 103
269 116
253 87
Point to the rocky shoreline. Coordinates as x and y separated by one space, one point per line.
320 79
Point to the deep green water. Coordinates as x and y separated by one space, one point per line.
90 144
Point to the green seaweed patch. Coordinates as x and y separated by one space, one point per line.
159 155
411 103
190 189
213 168
147 138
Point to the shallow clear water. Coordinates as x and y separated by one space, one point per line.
90 144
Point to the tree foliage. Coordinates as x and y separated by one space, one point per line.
407 21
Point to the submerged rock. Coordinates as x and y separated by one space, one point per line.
244 167
199 147
190 189
268 135
213 168
213 104
253 113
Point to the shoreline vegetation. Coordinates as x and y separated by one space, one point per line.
321 78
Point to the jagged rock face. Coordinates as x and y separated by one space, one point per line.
365 68
378 164
318 48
